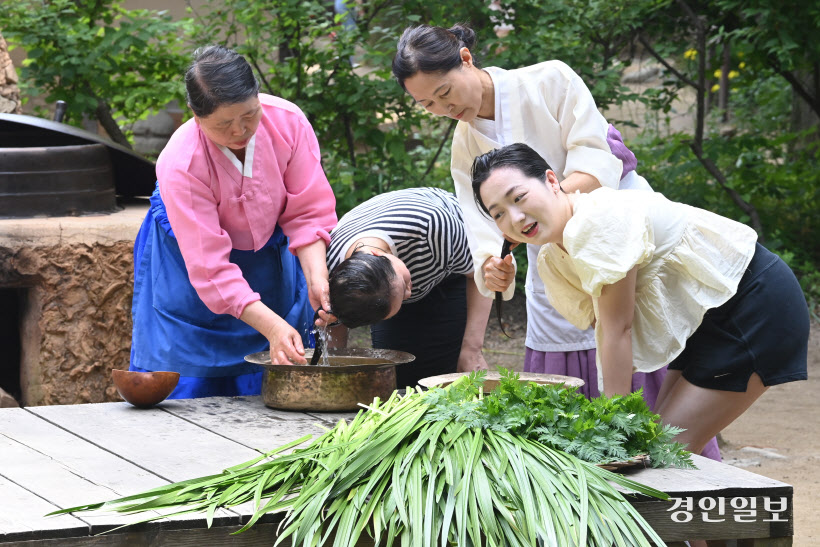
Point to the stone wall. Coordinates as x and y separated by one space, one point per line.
75 319
152 134
76 322
9 92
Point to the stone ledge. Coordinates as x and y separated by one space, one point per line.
122 225
74 278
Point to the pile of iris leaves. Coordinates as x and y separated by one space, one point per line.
450 466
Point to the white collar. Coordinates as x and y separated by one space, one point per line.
247 168
503 128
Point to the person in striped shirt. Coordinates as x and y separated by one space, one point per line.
400 262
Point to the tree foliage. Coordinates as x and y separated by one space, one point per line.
754 66
756 72
106 62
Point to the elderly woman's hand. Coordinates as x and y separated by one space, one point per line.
285 344
285 341
319 292
325 318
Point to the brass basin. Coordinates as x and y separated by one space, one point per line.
352 376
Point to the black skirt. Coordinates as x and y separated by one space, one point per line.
432 329
763 329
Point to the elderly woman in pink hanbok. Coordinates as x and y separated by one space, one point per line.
231 256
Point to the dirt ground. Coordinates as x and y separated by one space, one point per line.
776 437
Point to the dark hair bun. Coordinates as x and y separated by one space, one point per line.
431 50
465 34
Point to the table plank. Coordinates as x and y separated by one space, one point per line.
56 484
247 421
261 535
333 417
711 476
67 471
21 516
76 454
153 439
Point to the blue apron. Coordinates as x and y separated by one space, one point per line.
174 330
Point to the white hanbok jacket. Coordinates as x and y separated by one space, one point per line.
548 107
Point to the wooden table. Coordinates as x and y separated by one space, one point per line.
61 456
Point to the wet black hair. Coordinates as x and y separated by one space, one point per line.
431 49
517 156
218 76
360 289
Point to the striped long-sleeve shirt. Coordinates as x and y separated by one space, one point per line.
424 227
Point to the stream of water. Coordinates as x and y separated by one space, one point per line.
322 337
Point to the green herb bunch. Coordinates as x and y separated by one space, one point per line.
600 430
396 476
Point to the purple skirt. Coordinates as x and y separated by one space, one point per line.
581 364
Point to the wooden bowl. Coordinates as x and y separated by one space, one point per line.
144 389
492 379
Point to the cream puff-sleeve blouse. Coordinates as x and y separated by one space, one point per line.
689 261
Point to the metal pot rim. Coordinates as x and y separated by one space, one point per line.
389 357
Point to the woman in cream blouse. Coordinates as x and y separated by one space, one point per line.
547 106
661 283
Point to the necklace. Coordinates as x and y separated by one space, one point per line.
360 245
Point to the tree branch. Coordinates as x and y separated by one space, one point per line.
658 57
444 140
298 60
376 9
697 144
265 82
816 79
103 114
723 93
744 206
364 24
797 85
700 40
351 142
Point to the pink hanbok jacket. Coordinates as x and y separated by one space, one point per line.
216 204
